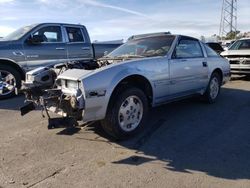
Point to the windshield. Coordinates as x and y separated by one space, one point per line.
19 33
145 47
241 45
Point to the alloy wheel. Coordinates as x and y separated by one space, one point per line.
130 113
214 87
7 82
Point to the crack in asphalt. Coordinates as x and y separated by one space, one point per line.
47 177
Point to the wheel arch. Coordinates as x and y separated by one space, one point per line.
14 65
218 71
135 80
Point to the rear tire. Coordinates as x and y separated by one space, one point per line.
10 79
126 113
213 89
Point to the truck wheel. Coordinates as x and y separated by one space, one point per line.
9 80
213 88
126 114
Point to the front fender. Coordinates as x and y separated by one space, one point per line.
96 105
224 66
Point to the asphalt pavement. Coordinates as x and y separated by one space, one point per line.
185 144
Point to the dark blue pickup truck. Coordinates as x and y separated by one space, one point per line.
41 45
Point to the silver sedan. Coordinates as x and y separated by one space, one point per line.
147 71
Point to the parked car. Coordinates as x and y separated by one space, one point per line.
146 71
226 44
44 44
239 56
216 47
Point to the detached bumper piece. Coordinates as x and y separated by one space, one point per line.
27 108
62 122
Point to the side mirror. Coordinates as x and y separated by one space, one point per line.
36 39
105 53
174 54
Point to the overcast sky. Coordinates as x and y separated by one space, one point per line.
118 19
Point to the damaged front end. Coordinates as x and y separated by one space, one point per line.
239 64
46 90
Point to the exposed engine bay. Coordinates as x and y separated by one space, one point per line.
43 90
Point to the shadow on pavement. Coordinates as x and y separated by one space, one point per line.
13 103
69 131
240 77
193 136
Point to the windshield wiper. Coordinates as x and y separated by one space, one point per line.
121 57
129 56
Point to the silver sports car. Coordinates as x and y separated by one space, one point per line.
147 71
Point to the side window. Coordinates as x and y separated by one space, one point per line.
245 45
210 52
50 34
188 48
74 34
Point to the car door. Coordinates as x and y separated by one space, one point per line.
51 51
188 68
77 47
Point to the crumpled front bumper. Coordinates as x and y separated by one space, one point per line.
55 101
240 69
239 65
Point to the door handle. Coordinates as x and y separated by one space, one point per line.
204 64
60 48
183 60
85 48
173 82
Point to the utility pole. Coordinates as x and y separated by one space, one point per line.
228 23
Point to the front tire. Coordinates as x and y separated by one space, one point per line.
9 80
126 113
213 88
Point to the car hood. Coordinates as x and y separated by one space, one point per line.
4 44
235 52
79 74
74 74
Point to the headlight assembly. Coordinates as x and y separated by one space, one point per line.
67 84
71 84
29 78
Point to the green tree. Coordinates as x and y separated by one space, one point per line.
232 35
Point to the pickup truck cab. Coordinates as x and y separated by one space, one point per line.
42 45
